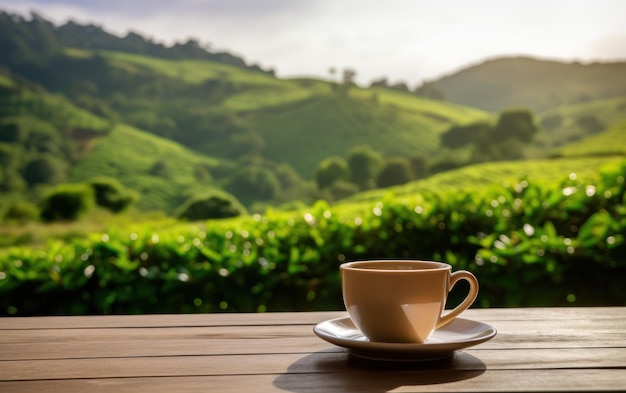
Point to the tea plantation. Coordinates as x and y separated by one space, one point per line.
531 243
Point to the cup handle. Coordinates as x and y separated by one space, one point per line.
469 299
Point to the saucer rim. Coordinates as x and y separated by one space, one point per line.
399 349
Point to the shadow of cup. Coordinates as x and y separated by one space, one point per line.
338 371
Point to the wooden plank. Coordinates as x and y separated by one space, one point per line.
317 362
524 327
174 346
169 347
288 318
357 381
536 349
167 320
93 342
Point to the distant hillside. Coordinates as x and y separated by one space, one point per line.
46 140
532 83
178 124
499 173
608 142
164 173
230 112
395 124
24 39
569 123
247 132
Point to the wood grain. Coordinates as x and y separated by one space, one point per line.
544 349
366 381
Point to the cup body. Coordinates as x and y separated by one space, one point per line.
398 300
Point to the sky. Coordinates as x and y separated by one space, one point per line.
401 40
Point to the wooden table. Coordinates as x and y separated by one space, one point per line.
549 349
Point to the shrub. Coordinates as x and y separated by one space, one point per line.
329 171
67 202
21 211
11 181
514 123
252 183
13 130
364 163
552 121
590 124
10 155
462 135
44 168
529 244
217 205
342 189
397 170
111 194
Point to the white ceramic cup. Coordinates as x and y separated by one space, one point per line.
401 300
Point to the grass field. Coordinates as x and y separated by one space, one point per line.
302 121
570 124
611 141
330 125
130 156
498 173
53 109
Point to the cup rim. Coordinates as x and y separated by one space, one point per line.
358 265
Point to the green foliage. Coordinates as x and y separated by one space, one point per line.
341 189
571 123
12 181
22 211
397 170
418 166
609 142
12 132
364 164
10 155
111 194
214 205
400 124
67 202
503 141
44 168
254 183
161 168
514 124
462 135
329 171
590 124
530 243
128 155
552 121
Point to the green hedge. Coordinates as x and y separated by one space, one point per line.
529 244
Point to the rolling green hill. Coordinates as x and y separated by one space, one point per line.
298 122
23 101
605 143
34 123
483 175
569 123
536 84
174 124
330 125
164 173
584 158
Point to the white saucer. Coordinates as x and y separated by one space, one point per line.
458 334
